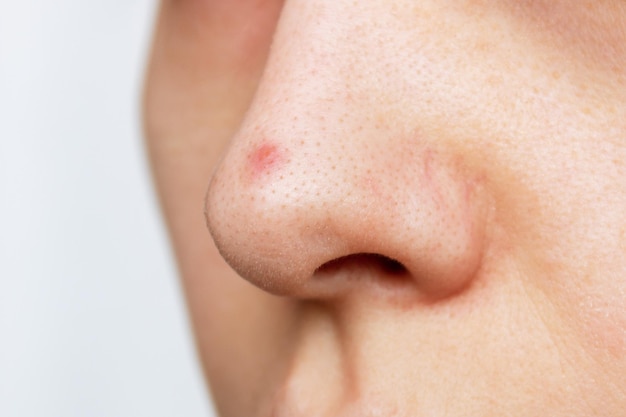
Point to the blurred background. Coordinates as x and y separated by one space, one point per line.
92 321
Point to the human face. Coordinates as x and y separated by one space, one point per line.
423 203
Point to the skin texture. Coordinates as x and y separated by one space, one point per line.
414 208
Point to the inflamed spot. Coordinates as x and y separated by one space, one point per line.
264 159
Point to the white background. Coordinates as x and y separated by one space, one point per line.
92 321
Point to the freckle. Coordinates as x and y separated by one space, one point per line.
264 158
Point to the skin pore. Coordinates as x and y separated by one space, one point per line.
414 208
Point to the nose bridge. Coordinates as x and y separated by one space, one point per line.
326 77
308 77
313 178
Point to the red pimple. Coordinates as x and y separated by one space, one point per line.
265 157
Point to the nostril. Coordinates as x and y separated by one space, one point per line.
391 266
365 263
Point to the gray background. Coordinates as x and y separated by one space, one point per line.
92 321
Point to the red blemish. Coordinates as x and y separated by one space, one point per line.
264 158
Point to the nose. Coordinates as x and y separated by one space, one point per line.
323 194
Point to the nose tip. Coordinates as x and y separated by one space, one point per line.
312 218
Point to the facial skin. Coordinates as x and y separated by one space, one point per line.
424 202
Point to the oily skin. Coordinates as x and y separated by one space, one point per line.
425 201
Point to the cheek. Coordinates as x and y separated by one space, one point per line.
595 334
588 31
579 265
604 325
598 305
